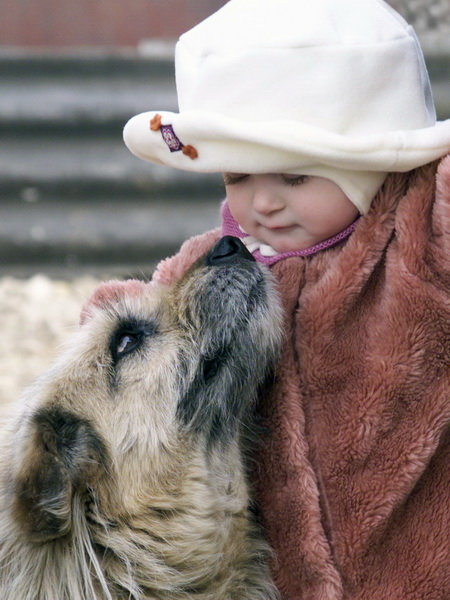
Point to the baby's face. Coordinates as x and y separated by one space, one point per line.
288 212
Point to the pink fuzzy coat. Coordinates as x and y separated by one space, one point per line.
353 478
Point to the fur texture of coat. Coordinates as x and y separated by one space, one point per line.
353 473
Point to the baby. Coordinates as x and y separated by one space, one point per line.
320 117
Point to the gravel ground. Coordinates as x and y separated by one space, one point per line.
38 314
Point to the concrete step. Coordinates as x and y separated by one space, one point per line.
156 60
72 103
73 92
63 166
74 236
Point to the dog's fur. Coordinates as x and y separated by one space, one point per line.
123 475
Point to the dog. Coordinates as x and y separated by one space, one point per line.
123 476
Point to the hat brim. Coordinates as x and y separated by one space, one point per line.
224 144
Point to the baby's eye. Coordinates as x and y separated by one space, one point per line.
294 179
232 178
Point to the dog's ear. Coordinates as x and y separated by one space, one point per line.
43 497
64 455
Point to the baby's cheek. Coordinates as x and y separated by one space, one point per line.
240 213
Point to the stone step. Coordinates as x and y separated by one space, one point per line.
74 236
72 104
156 60
63 166
42 92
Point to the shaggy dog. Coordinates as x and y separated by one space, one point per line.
123 476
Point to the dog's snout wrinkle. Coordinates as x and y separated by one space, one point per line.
228 249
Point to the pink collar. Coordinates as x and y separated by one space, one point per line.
231 227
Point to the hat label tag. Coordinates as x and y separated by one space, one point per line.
172 141
169 136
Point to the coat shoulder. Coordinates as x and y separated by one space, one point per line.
422 223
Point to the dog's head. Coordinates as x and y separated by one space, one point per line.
153 371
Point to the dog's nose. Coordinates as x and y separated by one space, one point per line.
227 250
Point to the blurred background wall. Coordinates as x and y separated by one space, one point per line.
106 23
119 23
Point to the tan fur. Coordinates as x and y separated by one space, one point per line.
105 493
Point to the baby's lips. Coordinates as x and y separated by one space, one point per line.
110 292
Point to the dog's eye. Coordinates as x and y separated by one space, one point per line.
127 343
129 336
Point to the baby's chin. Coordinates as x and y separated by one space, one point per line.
288 244
283 248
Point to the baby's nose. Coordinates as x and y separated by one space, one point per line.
264 202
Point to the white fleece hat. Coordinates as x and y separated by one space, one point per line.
336 88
